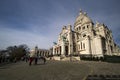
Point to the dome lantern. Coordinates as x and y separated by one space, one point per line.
82 18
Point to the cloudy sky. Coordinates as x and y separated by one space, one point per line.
39 22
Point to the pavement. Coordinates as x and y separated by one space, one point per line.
60 70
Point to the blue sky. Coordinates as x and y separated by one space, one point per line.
39 22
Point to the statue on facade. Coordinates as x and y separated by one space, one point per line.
64 39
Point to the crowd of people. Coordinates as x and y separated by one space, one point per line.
4 59
34 57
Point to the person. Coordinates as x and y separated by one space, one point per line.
31 59
43 58
0 59
26 58
15 60
36 59
36 56
32 55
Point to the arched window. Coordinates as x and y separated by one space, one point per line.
87 26
84 35
77 29
83 28
74 48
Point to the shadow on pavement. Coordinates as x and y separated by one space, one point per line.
103 77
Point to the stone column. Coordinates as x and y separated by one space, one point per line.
53 50
98 45
41 53
59 50
70 44
88 46
109 53
63 49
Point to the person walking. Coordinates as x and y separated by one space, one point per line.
36 55
36 58
32 56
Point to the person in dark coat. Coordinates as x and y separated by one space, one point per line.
43 58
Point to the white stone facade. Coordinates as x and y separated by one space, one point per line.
87 39
40 52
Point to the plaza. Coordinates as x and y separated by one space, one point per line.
58 70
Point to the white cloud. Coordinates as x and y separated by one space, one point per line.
44 23
10 37
36 34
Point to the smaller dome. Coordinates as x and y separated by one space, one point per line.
83 18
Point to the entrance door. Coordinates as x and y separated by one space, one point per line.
66 50
60 50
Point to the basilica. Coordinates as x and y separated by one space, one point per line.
86 38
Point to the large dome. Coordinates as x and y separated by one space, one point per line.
82 19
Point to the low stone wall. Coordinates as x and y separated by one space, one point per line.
116 54
66 59
56 58
73 58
